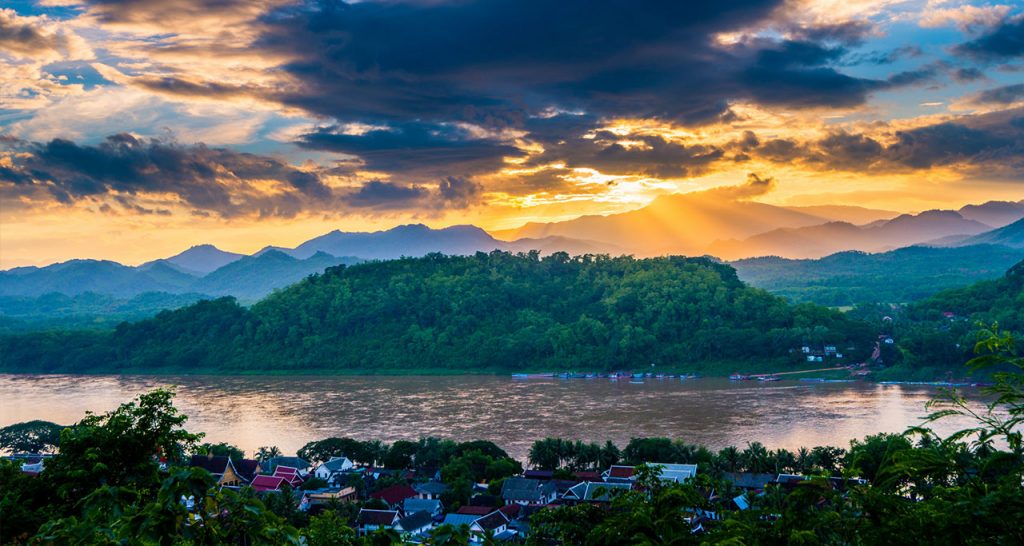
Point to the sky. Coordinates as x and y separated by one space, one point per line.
133 129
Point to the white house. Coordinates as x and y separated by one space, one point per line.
332 467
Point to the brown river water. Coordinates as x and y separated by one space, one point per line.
254 411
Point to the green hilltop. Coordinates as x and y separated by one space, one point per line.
485 312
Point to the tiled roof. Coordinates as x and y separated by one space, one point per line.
267 483
492 521
394 494
213 465
621 472
337 463
288 473
596 491
430 488
247 468
415 521
456 520
675 472
475 510
525 489
511 511
412 505
376 517
295 462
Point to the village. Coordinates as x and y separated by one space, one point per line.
409 503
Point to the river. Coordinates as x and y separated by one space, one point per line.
287 412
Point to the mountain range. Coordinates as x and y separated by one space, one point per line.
676 224
248 278
731 229
898 276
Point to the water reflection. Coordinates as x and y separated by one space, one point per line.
289 411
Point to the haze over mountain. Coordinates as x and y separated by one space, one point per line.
1011 235
676 224
994 213
99 276
722 223
249 278
832 237
415 240
199 259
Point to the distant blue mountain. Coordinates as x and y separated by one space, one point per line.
198 260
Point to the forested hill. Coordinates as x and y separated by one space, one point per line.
1000 300
494 311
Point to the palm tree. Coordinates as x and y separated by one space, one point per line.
803 460
756 458
729 459
266 453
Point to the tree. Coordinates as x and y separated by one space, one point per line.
23 504
122 448
265 453
400 455
30 437
329 529
221 449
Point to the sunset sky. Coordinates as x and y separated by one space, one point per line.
133 129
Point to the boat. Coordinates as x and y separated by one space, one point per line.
768 378
738 377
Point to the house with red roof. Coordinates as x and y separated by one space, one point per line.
267 483
288 473
619 473
395 495
475 510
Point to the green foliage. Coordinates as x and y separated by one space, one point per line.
221 449
470 467
88 310
265 453
899 276
357 451
329 529
119 449
30 437
115 515
483 312
23 504
931 343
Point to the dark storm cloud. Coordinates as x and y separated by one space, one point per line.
1006 94
987 141
450 193
385 195
1004 42
800 74
129 171
504 61
949 143
429 150
210 179
459 191
647 155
